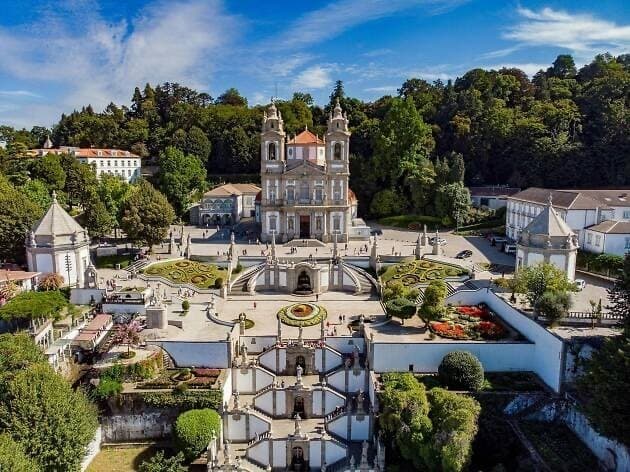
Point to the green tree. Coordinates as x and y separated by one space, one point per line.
17 216
540 278
146 215
160 463
452 200
619 296
27 306
553 305
193 430
460 370
180 175
112 191
198 144
13 458
37 192
96 218
433 302
48 169
80 180
17 352
606 376
454 418
232 97
47 417
385 203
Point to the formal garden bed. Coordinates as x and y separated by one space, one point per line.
416 272
558 446
302 314
191 378
190 272
469 323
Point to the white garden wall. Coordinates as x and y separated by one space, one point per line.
198 354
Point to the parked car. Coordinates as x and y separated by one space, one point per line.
441 241
465 254
509 248
497 240
376 232
580 284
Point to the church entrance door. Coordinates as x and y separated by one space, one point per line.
305 226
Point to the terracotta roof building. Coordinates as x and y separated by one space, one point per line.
579 209
118 162
226 204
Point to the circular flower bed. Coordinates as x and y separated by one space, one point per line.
248 323
302 314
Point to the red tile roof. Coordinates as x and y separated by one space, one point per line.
92 329
16 275
306 137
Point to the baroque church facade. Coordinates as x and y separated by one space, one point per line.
304 180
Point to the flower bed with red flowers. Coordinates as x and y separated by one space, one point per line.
206 372
446 330
469 323
201 382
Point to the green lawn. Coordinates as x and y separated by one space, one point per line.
192 272
121 459
415 272
109 262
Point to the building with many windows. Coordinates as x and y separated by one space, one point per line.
304 182
599 218
104 161
226 204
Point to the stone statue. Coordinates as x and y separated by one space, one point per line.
226 453
360 400
364 453
243 355
298 429
298 372
31 235
300 334
237 403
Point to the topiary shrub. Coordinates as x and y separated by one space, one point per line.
400 307
238 268
218 283
185 305
193 430
460 370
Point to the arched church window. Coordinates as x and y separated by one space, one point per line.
271 153
337 151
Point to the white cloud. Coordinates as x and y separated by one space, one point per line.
583 34
377 52
19 93
314 77
339 16
383 89
98 61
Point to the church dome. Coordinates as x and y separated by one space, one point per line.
57 227
548 230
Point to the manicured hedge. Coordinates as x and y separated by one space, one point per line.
400 307
108 388
194 429
460 370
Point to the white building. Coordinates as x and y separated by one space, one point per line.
227 204
611 237
547 238
491 197
104 161
580 209
58 244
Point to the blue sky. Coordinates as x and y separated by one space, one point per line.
56 56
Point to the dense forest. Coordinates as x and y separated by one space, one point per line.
563 128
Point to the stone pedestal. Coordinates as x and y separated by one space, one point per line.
157 317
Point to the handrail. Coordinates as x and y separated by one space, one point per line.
246 272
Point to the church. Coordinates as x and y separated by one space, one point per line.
304 180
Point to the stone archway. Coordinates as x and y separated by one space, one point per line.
298 405
304 286
298 461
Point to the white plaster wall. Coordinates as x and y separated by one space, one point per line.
333 359
334 452
268 360
534 258
265 402
198 354
317 402
257 425
359 427
263 378
356 380
237 428
546 357
244 380
333 400
226 394
616 244
282 279
279 454
315 454
44 264
92 450
319 354
123 308
259 452
257 344
61 266
281 407
337 380
345 344
282 360
338 426
559 260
